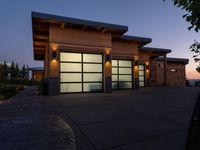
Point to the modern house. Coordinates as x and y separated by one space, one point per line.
37 73
87 56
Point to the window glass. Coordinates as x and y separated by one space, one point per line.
125 85
125 70
125 63
141 78
70 77
92 58
125 78
92 67
72 57
70 67
141 83
114 77
114 85
89 87
91 77
70 87
114 63
141 67
114 70
141 73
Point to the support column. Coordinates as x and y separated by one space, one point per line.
165 70
107 71
136 72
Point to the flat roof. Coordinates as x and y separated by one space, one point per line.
152 49
41 22
73 21
175 60
128 38
36 68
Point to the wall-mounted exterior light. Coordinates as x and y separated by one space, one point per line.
136 63
107 59
147 67
53 54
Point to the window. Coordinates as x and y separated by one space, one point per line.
173 70
122 74
80 72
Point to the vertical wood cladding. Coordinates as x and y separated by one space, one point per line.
175 73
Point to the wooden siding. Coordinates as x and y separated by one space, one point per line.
79 37
124 49
176 78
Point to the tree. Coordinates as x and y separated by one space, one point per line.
192 8
27 72
23 72
16 70
12 70
5 70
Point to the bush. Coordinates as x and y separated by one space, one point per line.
17 81
43 87
8 91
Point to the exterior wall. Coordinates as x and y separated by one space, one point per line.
144 60
73 40
176 78
130 51
37 75
124 49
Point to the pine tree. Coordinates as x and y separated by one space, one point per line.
23 72
12 70
5 70
16 70
27 72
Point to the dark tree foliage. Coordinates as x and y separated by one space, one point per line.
192 8
12 70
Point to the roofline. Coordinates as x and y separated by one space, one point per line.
71 20
177 60
152 49
128 38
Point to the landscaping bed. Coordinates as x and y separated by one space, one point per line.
7 91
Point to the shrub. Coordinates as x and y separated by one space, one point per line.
43 87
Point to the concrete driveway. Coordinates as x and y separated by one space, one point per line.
147 119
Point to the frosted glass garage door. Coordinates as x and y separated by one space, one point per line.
80 72
141 76
122 75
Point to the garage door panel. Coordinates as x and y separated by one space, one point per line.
125 70
70 87
90 87
70 77
71 57
92 58
125 63
122 74
80 72
125 77
92 77
92 67
70 67
125 85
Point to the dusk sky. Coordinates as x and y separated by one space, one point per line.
161 21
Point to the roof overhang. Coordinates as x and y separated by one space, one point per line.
157 50
175 60
41 22
133 39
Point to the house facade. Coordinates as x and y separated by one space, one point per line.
88 56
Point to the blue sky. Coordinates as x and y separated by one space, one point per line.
161 21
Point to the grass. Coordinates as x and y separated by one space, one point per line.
7 91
